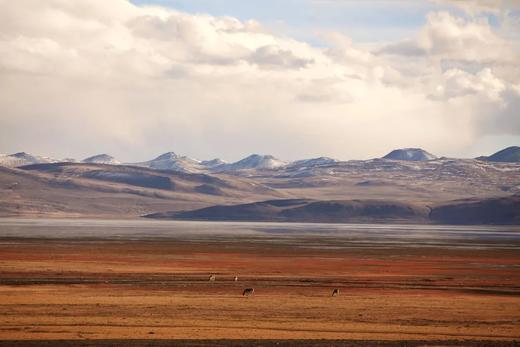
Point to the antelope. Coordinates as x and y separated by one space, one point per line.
248 292
212 278
236 278
335 292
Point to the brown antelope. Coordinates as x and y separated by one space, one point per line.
335 292
212 278
248 292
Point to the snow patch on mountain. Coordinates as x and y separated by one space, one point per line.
313 162
255 161
213 163
22 158
102 159
172 161
410 154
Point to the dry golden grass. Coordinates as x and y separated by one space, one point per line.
159 290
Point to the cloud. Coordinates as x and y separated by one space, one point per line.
94 76
449 37
507 120
275 57
475 7
457 83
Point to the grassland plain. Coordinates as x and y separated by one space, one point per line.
156 292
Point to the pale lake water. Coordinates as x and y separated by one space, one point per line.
306 235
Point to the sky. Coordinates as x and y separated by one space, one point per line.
296 79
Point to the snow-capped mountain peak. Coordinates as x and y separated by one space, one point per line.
255 161
167 156
172 161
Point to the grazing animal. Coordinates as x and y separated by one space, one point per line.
212 278
335 292
236 278
248 292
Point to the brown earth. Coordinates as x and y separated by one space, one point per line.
159 290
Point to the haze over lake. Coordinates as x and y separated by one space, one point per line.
297 234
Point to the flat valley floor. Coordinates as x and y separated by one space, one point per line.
157 290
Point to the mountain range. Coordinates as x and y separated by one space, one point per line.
408 185
173 161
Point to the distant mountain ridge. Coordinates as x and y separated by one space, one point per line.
176 162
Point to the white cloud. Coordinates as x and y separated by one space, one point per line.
476 7
458 83
276 57
449 37
88 76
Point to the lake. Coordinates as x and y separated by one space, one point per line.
307 235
